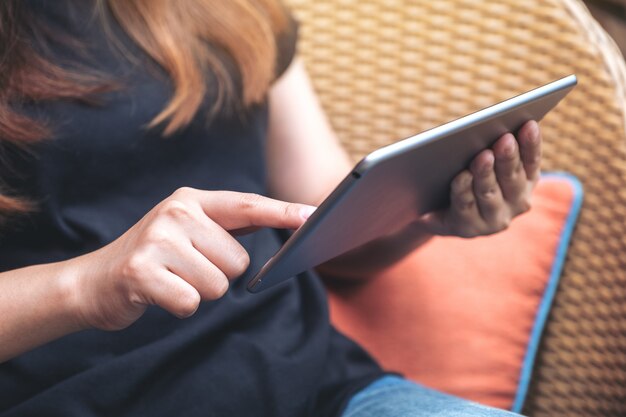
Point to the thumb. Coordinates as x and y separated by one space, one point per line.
434 222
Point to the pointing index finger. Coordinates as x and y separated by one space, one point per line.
233 210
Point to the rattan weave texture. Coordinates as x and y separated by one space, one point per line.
386 69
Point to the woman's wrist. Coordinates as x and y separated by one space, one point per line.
68 283
39 304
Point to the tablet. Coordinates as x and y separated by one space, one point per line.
388 188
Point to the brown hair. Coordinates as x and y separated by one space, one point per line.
183 36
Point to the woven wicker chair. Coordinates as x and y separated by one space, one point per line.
385 69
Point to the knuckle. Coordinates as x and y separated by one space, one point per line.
175 209
134 266
288 211
488 193
250 201
157 236
184 193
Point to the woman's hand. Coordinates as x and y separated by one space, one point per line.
496 187
180 253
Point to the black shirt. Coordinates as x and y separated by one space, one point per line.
268 354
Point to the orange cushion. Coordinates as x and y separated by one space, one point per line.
457 314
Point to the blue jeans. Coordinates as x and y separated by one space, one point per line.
393 396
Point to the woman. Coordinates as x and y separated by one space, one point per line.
138 138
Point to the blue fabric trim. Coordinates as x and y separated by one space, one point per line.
548 296
388 380
392 396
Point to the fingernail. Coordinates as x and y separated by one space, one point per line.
306 212
465 180
533 132
509 148
488 165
